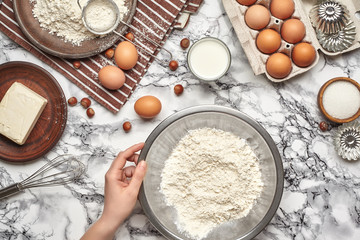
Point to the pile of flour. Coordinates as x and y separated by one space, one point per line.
211 177
63 18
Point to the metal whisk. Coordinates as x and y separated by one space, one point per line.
61 170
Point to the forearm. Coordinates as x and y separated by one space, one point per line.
120 194
103 229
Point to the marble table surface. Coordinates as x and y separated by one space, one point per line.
321 198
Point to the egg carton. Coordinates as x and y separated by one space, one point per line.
247 36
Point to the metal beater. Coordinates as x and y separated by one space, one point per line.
61 170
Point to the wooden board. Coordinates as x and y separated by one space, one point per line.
52 121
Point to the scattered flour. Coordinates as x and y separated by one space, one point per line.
63 18
210 178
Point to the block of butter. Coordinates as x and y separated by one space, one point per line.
20 109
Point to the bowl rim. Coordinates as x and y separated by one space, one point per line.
321 105
226 110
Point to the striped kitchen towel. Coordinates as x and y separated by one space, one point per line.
192 6
156 17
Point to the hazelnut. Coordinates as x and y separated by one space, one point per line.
323 126
126 126
90 112
173 65
77 64
130 36
72 101
178 89
85 102
110 53
185 43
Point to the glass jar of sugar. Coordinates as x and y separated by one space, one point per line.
339 100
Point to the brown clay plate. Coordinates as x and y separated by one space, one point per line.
52 121
55 45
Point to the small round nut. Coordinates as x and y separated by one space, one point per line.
184 43
110 53
85 102
130 36
324 126
77 64
178 89
173 65
126 126
90 112
72 101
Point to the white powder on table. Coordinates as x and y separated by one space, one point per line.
341 99
210 178
63 18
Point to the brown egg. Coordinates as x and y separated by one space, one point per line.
147 106
257 17
246 2
278 65
111 77
268 41
293 30
282 9
303 54
126 55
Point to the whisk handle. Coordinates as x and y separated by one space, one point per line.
10 190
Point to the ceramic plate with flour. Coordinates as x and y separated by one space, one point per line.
58 46
234 126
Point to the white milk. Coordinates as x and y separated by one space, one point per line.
209 58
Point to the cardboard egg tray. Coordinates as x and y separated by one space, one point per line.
247 36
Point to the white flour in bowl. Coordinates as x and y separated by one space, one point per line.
210 178
63 18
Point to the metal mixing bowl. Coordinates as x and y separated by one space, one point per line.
165 137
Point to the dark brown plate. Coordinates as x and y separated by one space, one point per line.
52 121
55 45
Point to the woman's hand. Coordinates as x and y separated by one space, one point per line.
122 186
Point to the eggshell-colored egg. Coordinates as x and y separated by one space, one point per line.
282 9
147 106
257 17
293 30
126 55
111 77
278 65
303 54
246 2
268 41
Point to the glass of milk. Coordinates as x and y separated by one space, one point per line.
209 59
